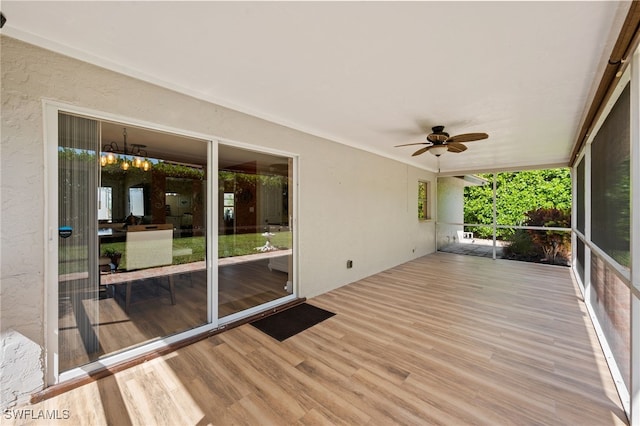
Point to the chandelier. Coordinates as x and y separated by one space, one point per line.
132 156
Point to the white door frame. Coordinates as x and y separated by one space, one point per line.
51 109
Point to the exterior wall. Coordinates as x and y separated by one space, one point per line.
352 204
450 209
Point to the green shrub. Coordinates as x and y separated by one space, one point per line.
522 247
554 244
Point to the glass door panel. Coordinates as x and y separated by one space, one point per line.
133 268
255 239
78 290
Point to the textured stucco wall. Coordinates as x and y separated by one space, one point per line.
21 233
352 205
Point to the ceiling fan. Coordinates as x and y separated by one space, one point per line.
440 142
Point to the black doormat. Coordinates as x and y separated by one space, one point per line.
291 321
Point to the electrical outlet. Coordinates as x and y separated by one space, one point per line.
349 264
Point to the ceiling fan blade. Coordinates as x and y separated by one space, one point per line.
422 150
407 144
468 137
456 147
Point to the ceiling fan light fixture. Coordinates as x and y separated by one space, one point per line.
438 150
440 142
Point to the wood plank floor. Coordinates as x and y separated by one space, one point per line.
445 339
241 286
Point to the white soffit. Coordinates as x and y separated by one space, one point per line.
367 74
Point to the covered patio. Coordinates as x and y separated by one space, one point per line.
477 247
345 124
443 339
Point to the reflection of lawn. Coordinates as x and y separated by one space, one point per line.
242 244
228 246
73 259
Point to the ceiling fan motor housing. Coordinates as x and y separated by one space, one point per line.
438 135
440 142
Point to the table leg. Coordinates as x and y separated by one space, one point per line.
172 290
127 297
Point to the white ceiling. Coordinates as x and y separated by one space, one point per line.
366 74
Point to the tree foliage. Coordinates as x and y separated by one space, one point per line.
516 194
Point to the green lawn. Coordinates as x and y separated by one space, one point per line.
242 244
228 246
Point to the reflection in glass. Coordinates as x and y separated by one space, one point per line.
134 269
611 302
255 257
78 290
136 201
105 203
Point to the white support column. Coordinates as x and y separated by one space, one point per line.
635 241
212 233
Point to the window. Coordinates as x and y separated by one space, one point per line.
105 203
136 201
229 205
580 217
423 201
611 183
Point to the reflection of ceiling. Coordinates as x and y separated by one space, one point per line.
171 147
233 158
164 146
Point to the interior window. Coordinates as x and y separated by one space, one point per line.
105 203
136 201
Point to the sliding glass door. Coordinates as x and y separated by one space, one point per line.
132 237
135 254
255 238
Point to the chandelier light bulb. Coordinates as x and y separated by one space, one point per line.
111 158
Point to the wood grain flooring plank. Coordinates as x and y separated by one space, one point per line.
308 392
442 339
264 388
